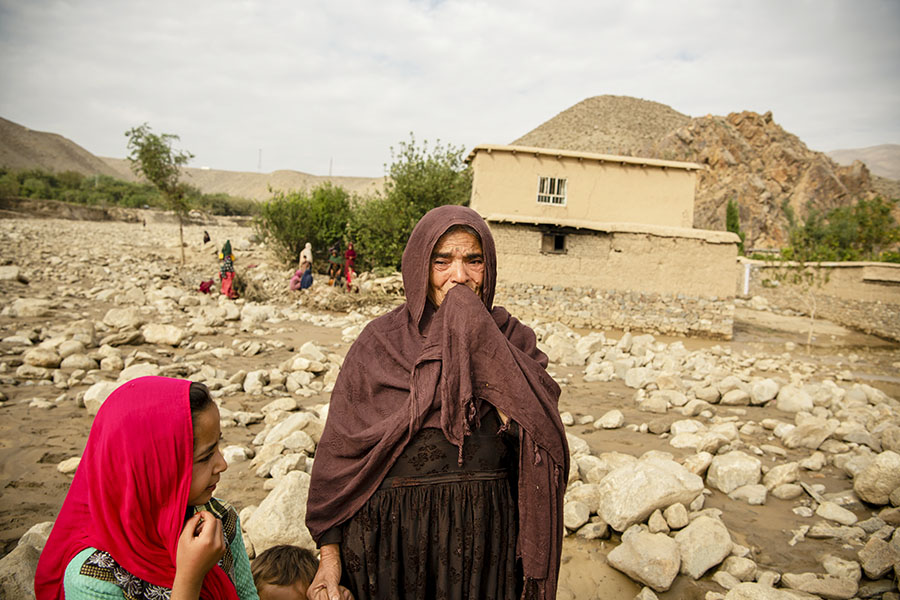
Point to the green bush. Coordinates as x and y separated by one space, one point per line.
288 221
419 179
9 186
866 230
34 187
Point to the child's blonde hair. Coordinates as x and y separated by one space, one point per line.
284 565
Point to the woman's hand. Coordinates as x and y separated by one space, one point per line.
326 584
200 547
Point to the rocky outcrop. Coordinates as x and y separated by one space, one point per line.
749 158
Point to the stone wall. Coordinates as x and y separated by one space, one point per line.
861 295
580 307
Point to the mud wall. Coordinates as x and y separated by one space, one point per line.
640 280
861 295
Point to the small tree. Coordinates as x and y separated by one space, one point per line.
419 179
152 156
733 223
801 266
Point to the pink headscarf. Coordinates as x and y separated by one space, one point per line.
129 495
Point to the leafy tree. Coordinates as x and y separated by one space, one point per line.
418 179
152 156
289 221
9 185
733 223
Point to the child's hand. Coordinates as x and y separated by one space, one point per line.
200 547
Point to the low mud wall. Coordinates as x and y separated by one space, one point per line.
651 279
861 295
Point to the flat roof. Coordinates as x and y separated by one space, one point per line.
715 237
609 158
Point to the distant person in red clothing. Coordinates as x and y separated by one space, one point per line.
349 267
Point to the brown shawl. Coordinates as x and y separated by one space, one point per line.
394 376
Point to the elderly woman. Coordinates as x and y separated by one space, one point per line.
443 463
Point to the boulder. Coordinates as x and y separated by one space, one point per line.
124 318
730 471
165 335
793 399
41 357
703 544
281 516
876 482
96 395
649 558
629 494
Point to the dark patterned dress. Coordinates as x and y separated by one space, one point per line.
435 529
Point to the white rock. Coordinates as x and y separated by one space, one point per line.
763 391
575 514
876 482
835 512
281 516
255 381
676 516
166 335
611 420
703 544
781 474
235 454
732 470
649 558
629 494
69 466
96 395
41 357
124 318
792 399
138 370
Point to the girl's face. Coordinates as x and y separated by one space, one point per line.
208 460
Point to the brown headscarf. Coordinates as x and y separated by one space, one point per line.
414 362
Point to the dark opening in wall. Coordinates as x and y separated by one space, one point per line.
553 243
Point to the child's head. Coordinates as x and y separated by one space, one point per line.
208 460
284 572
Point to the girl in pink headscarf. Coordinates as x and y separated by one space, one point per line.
140 520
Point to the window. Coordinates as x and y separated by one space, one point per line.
552 190
553 243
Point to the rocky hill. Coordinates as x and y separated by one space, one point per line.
750 159
23 148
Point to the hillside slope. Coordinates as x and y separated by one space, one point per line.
23 148
882 160
750 159
254 185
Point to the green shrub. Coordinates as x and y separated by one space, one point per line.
288 221
34 187
9 186
419 179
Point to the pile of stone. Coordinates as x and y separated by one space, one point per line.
657 503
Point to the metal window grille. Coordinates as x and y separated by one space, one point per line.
552 190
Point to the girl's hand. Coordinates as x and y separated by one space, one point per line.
326 584
201 545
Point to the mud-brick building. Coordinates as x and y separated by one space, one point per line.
605 239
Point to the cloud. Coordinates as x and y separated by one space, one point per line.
316 83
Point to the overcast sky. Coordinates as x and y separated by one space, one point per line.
317 83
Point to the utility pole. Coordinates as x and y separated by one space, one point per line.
259 162
330 163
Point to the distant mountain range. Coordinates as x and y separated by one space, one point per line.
883 160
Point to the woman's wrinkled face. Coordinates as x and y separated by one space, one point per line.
208 460
457 259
